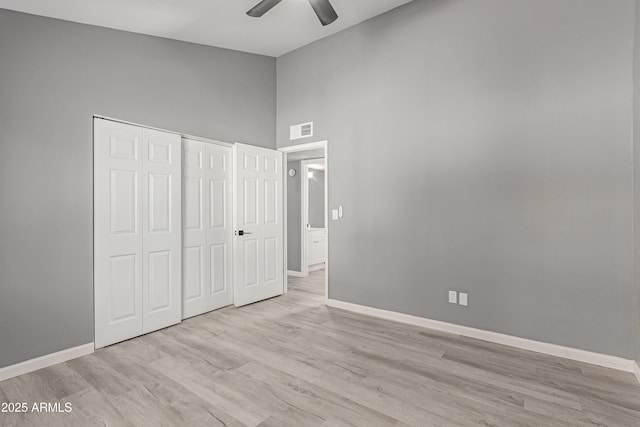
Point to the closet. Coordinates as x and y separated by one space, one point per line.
137 230
207 227
169 242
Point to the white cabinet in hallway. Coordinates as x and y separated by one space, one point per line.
207 227
316 243
137 230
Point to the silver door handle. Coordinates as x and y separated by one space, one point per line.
242 233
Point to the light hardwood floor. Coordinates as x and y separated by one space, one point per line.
292 361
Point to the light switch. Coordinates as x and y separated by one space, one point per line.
340 211
334 214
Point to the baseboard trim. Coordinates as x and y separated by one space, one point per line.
636 371
294 273
45 361
599 359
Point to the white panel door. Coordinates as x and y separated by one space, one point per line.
207 227
137 231
118 256
258 245
219 223
162 229
194 238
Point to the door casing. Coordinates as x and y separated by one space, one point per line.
304 147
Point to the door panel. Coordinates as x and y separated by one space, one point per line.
192 203
219 228
259 265
271 201
160 152
160 203
117 233
195 273
270 259
121 145
250 196
122 286
271 164
162 231
192 156
160 275
218 160
137 232
250 162
207 230
218 268
250 257
218 202
124 201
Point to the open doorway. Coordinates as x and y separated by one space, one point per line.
313 253
306 219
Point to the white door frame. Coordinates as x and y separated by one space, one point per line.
304 147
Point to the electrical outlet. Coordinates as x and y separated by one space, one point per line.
453 297
464 299
334 214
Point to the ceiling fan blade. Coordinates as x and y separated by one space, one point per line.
326 13
263 7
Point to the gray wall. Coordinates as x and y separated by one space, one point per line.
636 185
481 146
294 216
316 199
54 76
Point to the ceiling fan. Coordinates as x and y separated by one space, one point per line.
326 13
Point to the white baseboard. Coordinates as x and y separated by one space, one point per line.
294 273
636 370
45 361
604 360
316 267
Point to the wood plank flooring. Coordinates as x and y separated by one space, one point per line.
292 361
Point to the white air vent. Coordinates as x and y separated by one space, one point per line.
303 130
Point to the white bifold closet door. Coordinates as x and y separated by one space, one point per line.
137 230
258 244
207 227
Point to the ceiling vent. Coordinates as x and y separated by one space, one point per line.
303 130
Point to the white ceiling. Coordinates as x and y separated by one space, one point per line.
223 23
